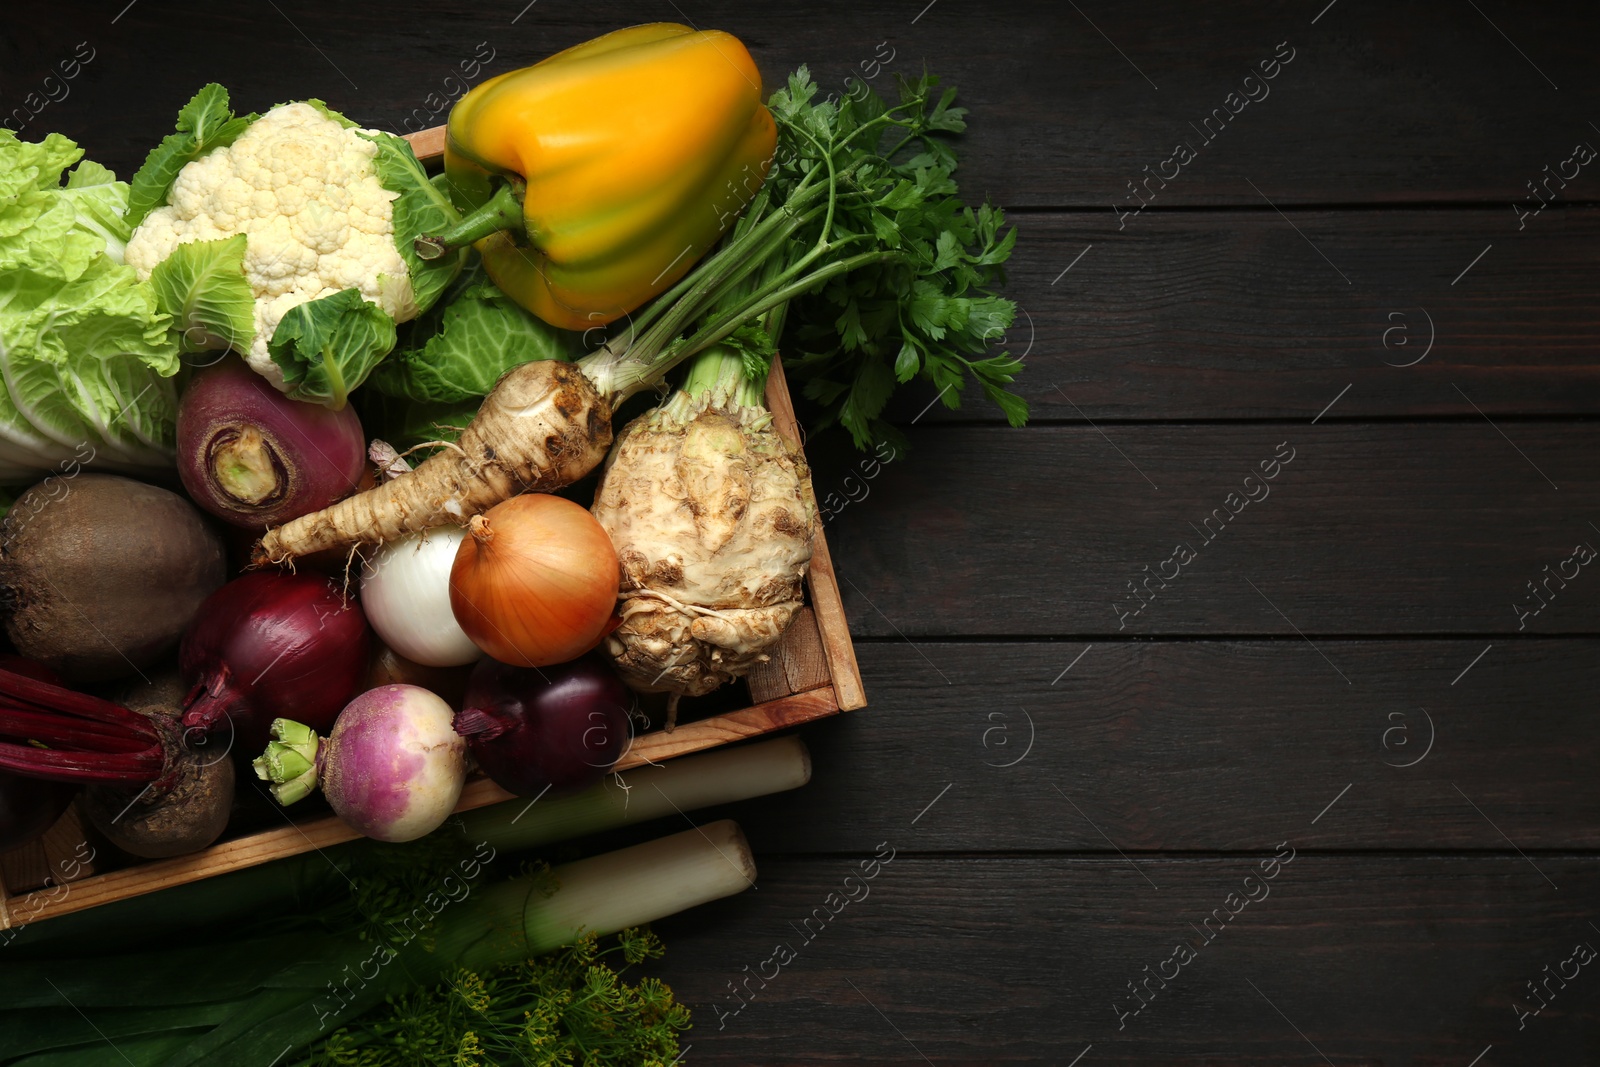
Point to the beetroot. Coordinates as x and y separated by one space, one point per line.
149 792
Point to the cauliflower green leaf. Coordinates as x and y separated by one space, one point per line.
204 123
327 347
202 285
421 208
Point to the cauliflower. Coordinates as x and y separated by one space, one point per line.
305 191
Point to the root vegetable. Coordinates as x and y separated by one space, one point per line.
184 817
152 795
544 426
392 768
711 513
99 574
254 458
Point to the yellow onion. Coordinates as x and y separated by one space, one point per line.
535 581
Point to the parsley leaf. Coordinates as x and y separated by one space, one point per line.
929 310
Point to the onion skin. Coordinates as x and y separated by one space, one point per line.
272 645
535 581
393 767
405 589
255 458
562 728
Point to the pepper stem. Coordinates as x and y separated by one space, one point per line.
502 211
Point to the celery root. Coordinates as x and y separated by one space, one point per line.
711 513
545 425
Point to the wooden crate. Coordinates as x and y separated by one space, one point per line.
812 674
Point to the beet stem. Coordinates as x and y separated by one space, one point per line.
21 722
55 699
81 766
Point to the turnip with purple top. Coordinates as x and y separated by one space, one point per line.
392 768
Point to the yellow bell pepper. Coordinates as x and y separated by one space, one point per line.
596 178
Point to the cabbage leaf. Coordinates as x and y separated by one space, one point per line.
87 356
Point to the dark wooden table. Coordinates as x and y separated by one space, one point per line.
1212 718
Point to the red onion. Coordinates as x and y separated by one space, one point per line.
272 645
252 457
560 727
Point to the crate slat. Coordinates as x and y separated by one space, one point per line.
825 599
799 662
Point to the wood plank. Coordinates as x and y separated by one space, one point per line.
1197 315
1382 528
63 854
1372 108
1205 745
983 960
797 664
820 578
293 839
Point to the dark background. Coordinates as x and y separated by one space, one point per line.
1360 218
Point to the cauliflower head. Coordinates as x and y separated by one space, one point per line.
304 190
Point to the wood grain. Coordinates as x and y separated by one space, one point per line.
1187 746
956 960
1204 315
823 584
1436 105
796 665
1380 528
63 854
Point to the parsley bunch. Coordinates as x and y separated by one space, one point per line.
927 307
568 1007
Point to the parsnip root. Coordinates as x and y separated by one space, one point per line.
543 426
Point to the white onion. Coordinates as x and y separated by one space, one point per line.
405 591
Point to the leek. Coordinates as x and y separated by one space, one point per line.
298 991
299 883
